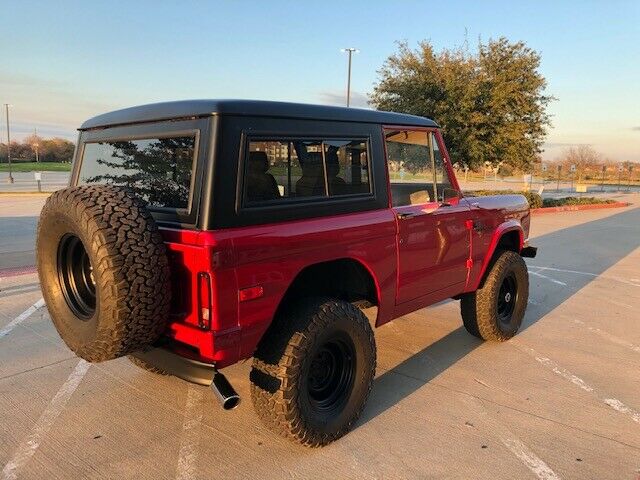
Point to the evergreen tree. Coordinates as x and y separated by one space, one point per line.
491 105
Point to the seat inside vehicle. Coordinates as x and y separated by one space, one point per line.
311 183
411 193
261 185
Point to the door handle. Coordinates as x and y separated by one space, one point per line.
403 215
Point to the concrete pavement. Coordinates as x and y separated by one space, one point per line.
561 400
18 222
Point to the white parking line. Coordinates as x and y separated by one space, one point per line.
633 281
530 459
188 456
622 408
22 317
608 336
28 448
17 291
614 403
557 282
620 304
534 463
564 373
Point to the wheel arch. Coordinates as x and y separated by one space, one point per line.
508 236
344 278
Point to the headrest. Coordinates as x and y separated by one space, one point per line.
258 162
312 163
331 155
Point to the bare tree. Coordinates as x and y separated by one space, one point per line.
584 157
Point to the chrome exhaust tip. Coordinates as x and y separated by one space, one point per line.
224 392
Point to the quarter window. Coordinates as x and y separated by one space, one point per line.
159 170
278 170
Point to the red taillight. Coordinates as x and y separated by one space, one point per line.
204 300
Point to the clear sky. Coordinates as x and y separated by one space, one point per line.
65 61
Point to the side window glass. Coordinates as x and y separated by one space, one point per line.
265 162
409 163
347 167
281 169
311 182
443 183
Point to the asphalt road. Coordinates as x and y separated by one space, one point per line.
561 400
25 181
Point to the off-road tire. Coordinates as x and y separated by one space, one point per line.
115 237
480 309
280 384
146 366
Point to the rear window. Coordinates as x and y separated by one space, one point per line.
279 170
159 170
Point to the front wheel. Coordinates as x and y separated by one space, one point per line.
313 371
495 311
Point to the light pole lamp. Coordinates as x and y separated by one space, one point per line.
350 51
6 107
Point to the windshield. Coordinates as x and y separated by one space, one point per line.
159 170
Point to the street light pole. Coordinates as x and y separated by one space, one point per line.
350 51
36 145
6 106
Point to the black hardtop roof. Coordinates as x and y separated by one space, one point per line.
200 108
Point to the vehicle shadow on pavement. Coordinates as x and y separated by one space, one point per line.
590 247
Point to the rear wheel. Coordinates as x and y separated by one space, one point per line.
495 311
313 371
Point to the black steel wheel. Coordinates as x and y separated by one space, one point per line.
331 374
507 298
313 370
495 311
76 277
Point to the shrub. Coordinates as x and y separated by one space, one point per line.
535 200
560 202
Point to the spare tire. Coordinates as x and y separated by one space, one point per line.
104 271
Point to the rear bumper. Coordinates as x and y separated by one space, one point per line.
188 369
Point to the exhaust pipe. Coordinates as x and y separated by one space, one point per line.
224 392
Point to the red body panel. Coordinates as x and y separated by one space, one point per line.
494 216
439 252
270 256
433 246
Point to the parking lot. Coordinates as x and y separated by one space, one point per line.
560 400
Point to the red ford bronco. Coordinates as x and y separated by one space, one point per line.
199 233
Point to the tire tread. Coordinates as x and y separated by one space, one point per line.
280 355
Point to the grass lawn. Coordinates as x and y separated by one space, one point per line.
36 167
